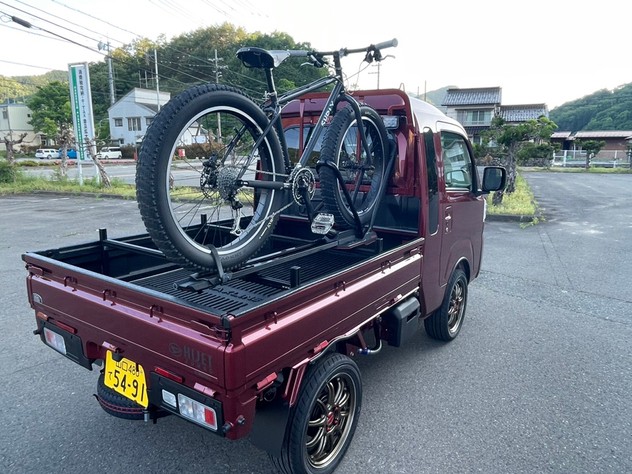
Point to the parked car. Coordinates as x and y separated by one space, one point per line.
71 153
48 153
109 152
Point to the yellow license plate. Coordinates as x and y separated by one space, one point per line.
127 378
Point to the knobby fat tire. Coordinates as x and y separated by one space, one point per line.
153 173
333 142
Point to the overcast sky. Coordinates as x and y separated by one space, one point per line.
538 51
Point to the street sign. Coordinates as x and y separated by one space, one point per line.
82 117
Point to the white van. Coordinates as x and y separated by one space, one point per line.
48 153
109 152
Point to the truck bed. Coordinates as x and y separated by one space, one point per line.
225 339
279 269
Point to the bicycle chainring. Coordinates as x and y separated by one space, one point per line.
303 184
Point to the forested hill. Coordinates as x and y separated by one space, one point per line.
601 110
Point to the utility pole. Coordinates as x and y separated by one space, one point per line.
157 82
106 47
378 65
218 74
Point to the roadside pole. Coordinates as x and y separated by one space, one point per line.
82 118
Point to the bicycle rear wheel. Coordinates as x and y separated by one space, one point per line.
195 175
363 175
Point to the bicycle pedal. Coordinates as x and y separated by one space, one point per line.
322 223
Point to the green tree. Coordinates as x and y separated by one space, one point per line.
602 110
50 107
51 114
510 139
591 147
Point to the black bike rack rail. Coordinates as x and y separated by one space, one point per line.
255 266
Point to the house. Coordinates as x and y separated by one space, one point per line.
616 150
513 114
613 139
475 108
564 140
14 121
130 116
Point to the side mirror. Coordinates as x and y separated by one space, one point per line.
494 178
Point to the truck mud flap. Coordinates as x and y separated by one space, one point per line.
268 429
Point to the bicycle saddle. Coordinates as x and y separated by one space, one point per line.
261 58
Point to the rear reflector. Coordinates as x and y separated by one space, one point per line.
56 341
196 412
169 375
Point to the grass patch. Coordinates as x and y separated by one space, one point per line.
29 184
519 203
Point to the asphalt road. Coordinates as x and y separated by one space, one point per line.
539 380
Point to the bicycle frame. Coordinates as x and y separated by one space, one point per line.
275 105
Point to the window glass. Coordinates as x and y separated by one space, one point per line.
133 124
292 139
118 122
457 163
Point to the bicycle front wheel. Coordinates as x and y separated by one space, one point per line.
203 182
362 172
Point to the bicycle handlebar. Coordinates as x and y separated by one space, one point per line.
258 57
386 44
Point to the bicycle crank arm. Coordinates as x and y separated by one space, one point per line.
257 183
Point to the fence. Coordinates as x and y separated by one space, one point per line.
605 159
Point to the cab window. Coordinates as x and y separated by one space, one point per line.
292 139
457 162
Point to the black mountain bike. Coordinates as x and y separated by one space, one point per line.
214 172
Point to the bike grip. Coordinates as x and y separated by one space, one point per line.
298 53
386 44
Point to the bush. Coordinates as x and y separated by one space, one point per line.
128 151
8 173
535 155
200 150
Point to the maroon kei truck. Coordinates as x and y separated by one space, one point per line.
266 350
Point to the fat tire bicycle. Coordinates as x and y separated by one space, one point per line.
215 210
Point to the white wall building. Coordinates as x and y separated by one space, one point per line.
131 115
14 121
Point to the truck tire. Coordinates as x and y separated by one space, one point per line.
446 322
115 404
324 419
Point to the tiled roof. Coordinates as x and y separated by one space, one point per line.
475 96
564 135
604 134
522 113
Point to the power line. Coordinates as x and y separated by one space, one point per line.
96 18
23 64
43 19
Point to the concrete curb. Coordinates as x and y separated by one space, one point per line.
509 218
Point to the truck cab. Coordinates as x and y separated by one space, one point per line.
435 190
